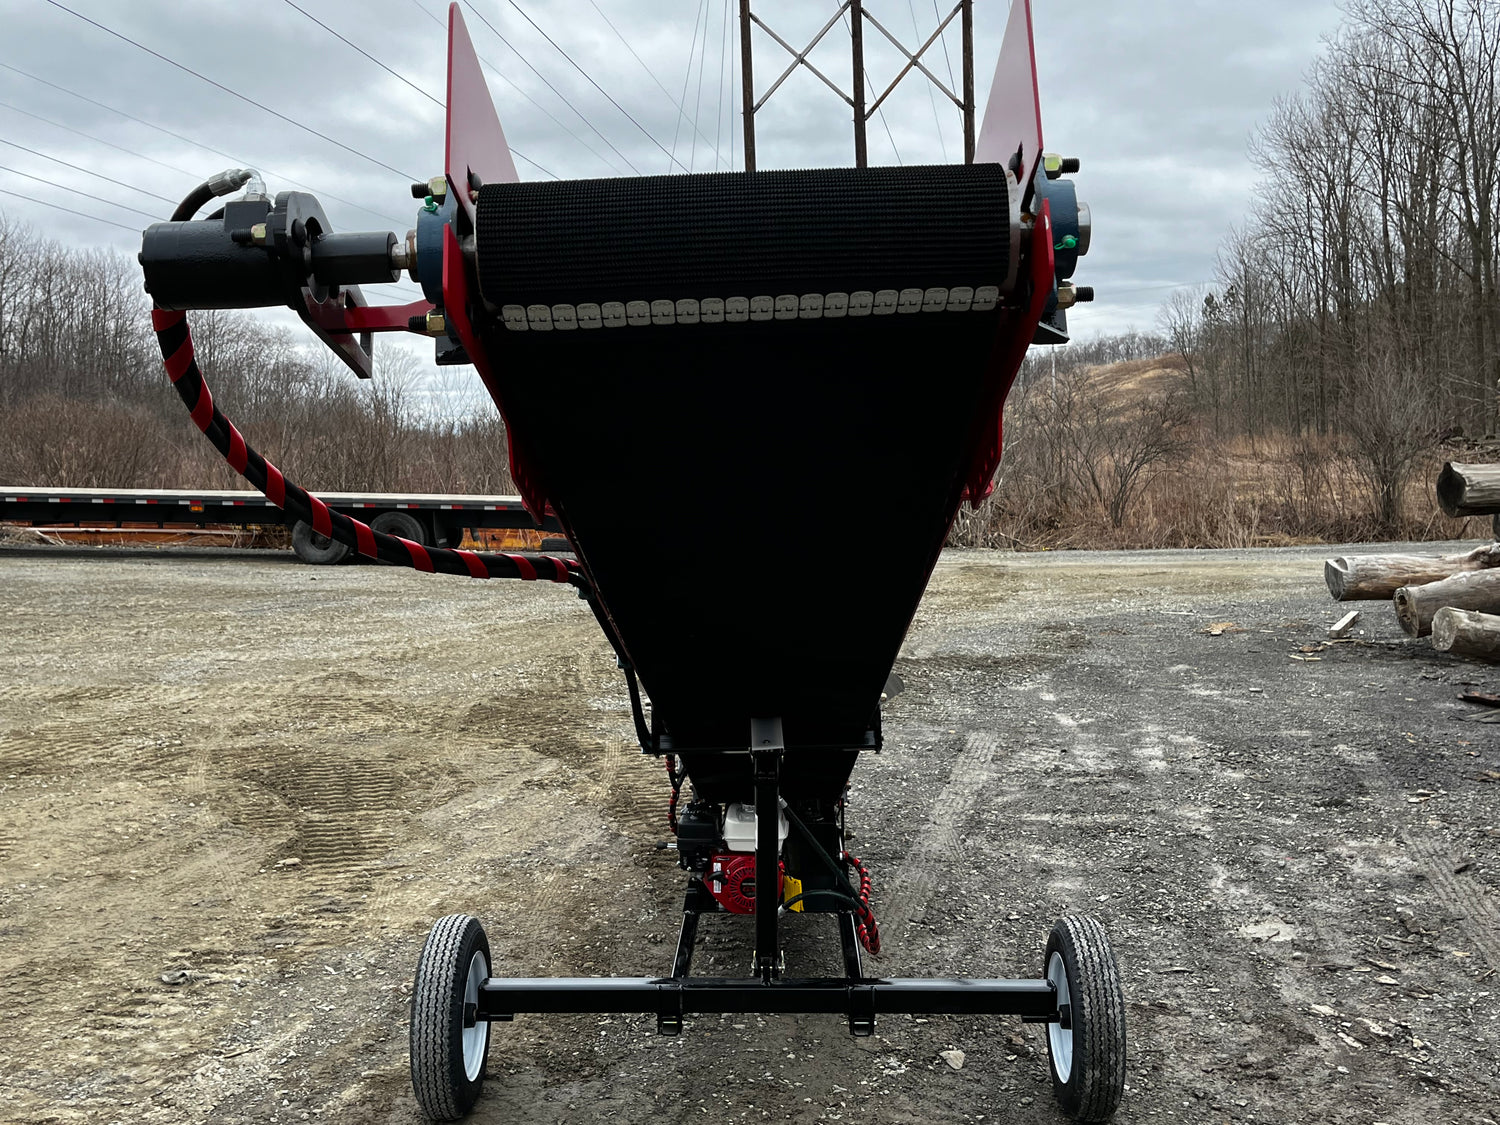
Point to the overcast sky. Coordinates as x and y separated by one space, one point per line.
1156 97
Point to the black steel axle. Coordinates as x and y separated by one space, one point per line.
501 998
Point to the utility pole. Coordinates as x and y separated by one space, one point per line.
855 14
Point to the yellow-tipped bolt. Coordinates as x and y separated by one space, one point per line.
437 187
437 325
258 234
1067 296
1056 166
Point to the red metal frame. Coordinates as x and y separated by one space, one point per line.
1012 125
1013 115
474 140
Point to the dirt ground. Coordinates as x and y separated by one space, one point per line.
235 791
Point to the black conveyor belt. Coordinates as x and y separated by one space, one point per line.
808 467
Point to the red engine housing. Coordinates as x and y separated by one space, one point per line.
731 880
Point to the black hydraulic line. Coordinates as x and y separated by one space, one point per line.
787 904
175 340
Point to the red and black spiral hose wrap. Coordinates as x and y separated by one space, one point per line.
676 781
176 344
867 928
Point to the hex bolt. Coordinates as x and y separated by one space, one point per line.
437 187
1056 166
258 234
437 324
1067 296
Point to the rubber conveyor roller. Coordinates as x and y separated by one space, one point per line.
731 234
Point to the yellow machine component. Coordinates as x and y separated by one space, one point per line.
791 888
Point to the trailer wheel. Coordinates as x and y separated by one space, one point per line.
448 1045
312 547
1087 1052
402 524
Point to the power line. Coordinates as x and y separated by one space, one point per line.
733 90
85 171
395 73
76 191
693 46
366 54
167 132
719 100
931 97
698 100
585 74
59 207
494 31
233 93
880 112
495 70
677 105
937 15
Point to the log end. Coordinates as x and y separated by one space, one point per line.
1450 490
1407 614
1445 624
1336 574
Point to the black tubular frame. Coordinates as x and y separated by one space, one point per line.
854 995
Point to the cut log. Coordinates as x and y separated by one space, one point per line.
1469 490
1416 605
1371 577
1466 632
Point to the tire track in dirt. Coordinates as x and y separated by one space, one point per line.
1479 917
940 846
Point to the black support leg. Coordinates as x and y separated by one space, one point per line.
766 746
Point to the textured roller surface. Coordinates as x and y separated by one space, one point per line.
729 233
1097 1081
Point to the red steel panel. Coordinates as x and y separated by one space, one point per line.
1013 115
475 142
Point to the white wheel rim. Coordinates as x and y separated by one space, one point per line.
476 1037
1059 1038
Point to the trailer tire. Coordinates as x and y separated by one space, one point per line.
1087 1057
404 525
447 1057
314 548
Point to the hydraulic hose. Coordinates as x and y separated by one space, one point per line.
176 343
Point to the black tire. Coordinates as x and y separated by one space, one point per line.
314 548
446 1072
1087 1059
403 524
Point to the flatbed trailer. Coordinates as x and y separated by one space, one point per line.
428 519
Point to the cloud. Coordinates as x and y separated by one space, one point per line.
1157 97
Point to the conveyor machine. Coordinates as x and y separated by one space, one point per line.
786 365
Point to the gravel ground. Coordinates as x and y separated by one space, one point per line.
237 791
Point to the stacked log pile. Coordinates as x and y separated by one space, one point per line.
1454 599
